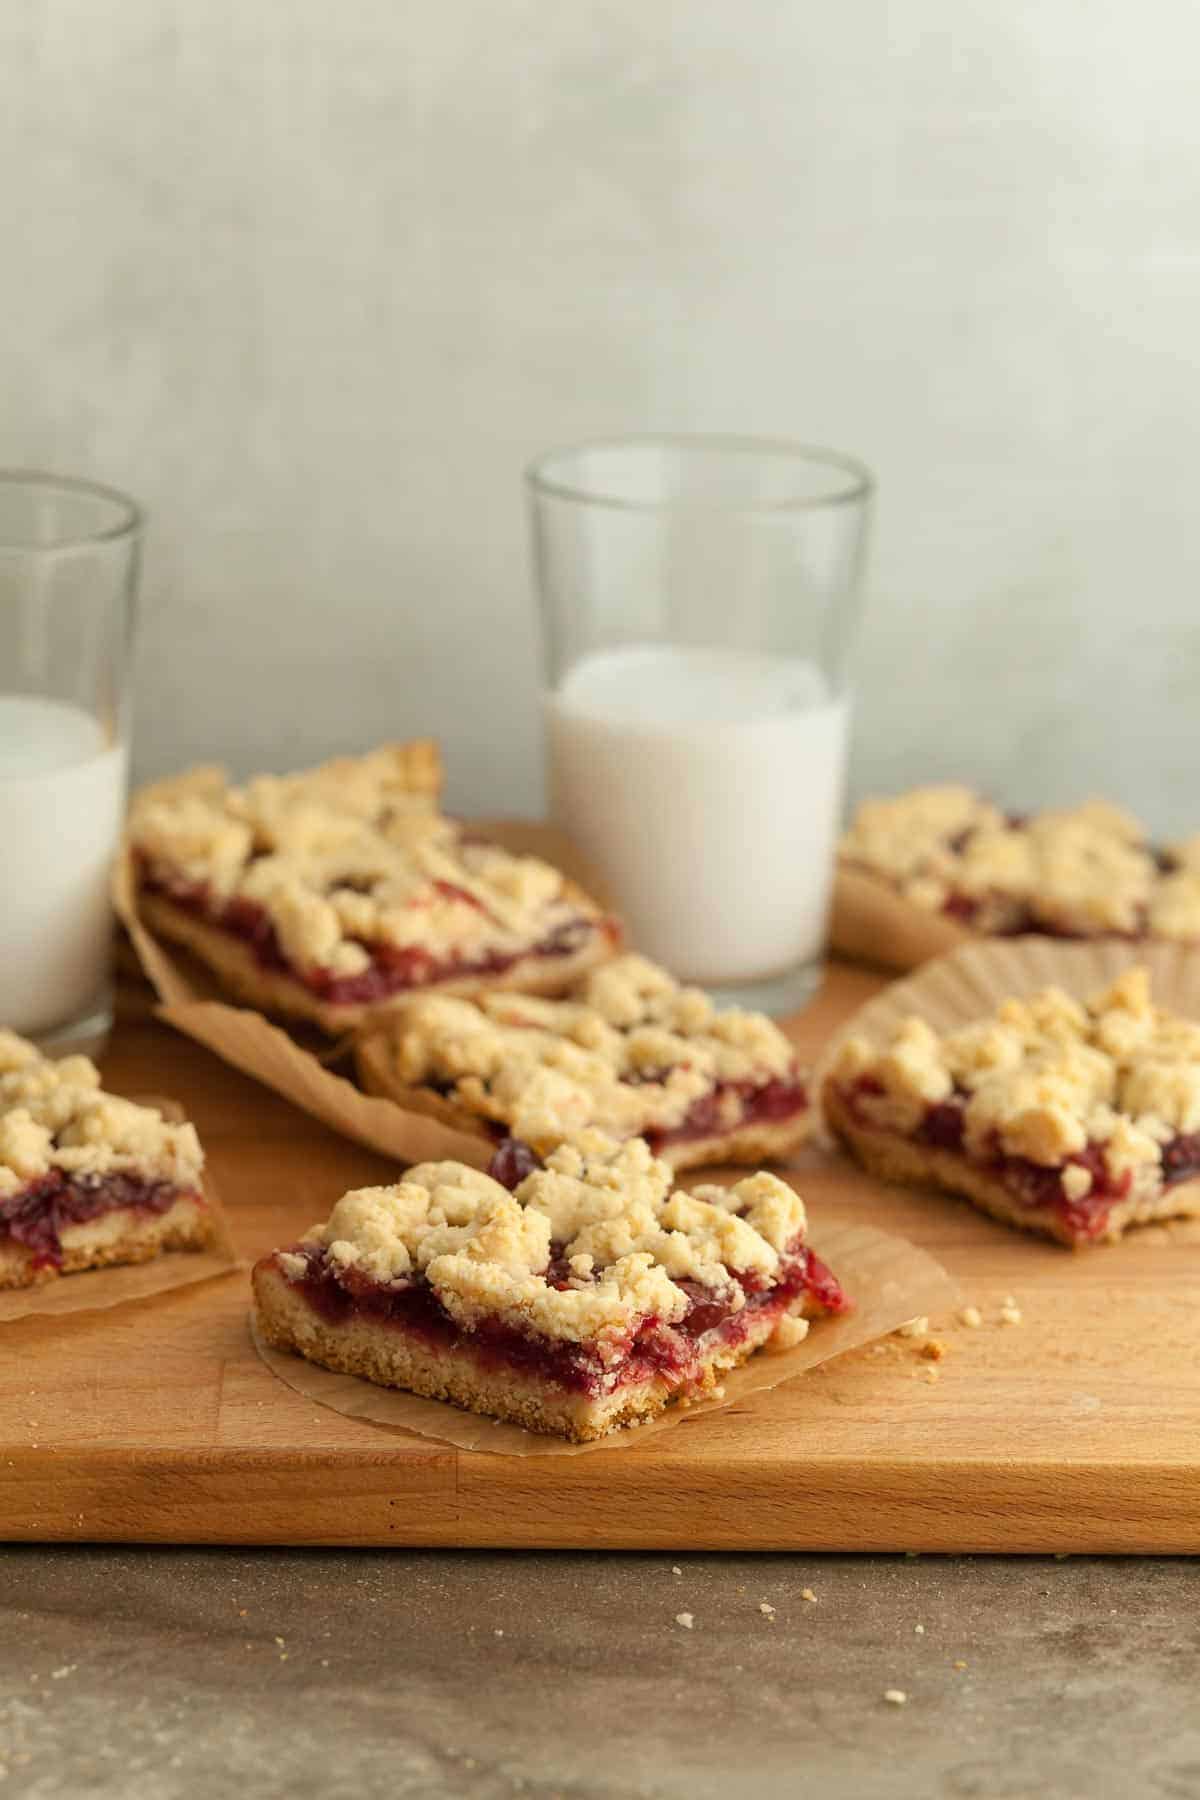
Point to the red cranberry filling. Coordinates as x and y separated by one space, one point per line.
767 1103
960 907
36 1217
652 1347
1181 1158
392 970
943 1126
513 1161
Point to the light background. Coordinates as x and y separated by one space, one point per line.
314 281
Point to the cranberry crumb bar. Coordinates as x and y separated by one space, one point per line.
1085 872
329 894
1075 1121
87 1179
629 1052
590 1297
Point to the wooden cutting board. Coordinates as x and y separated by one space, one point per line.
1076 1430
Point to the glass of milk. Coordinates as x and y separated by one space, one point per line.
700 600
68 579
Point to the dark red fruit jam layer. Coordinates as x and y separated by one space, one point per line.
672 1352
392 970
769 1103
1031 1183
513 1161
37 1215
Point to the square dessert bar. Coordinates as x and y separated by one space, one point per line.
588 1298
1072 1120
87 1179
330 894
629 1052
1087 871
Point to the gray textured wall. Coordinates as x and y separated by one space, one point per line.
315 281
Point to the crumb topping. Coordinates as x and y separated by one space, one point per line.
913 1328
631 1050
55 1116
1084 871
347 860
789 1332
606 1210
1046 1078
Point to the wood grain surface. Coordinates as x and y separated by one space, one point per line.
1076 1430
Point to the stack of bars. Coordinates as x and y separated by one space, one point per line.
572 1289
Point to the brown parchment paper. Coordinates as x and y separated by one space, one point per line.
291 1060
94 1290
889 1280
871 923
971 982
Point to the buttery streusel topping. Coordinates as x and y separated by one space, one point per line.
1045 1078
54 1115
1084 871
630 1051
608 1209
344 857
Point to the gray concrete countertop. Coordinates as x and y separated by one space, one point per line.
185 1675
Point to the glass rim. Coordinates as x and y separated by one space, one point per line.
128 524
859 485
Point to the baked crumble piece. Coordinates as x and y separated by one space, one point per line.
87 1179
590 1297
332 893
1081 872
629 1052
1075 1120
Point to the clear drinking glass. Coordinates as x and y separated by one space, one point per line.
69 554
700 598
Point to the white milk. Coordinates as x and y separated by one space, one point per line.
706 785
62 791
